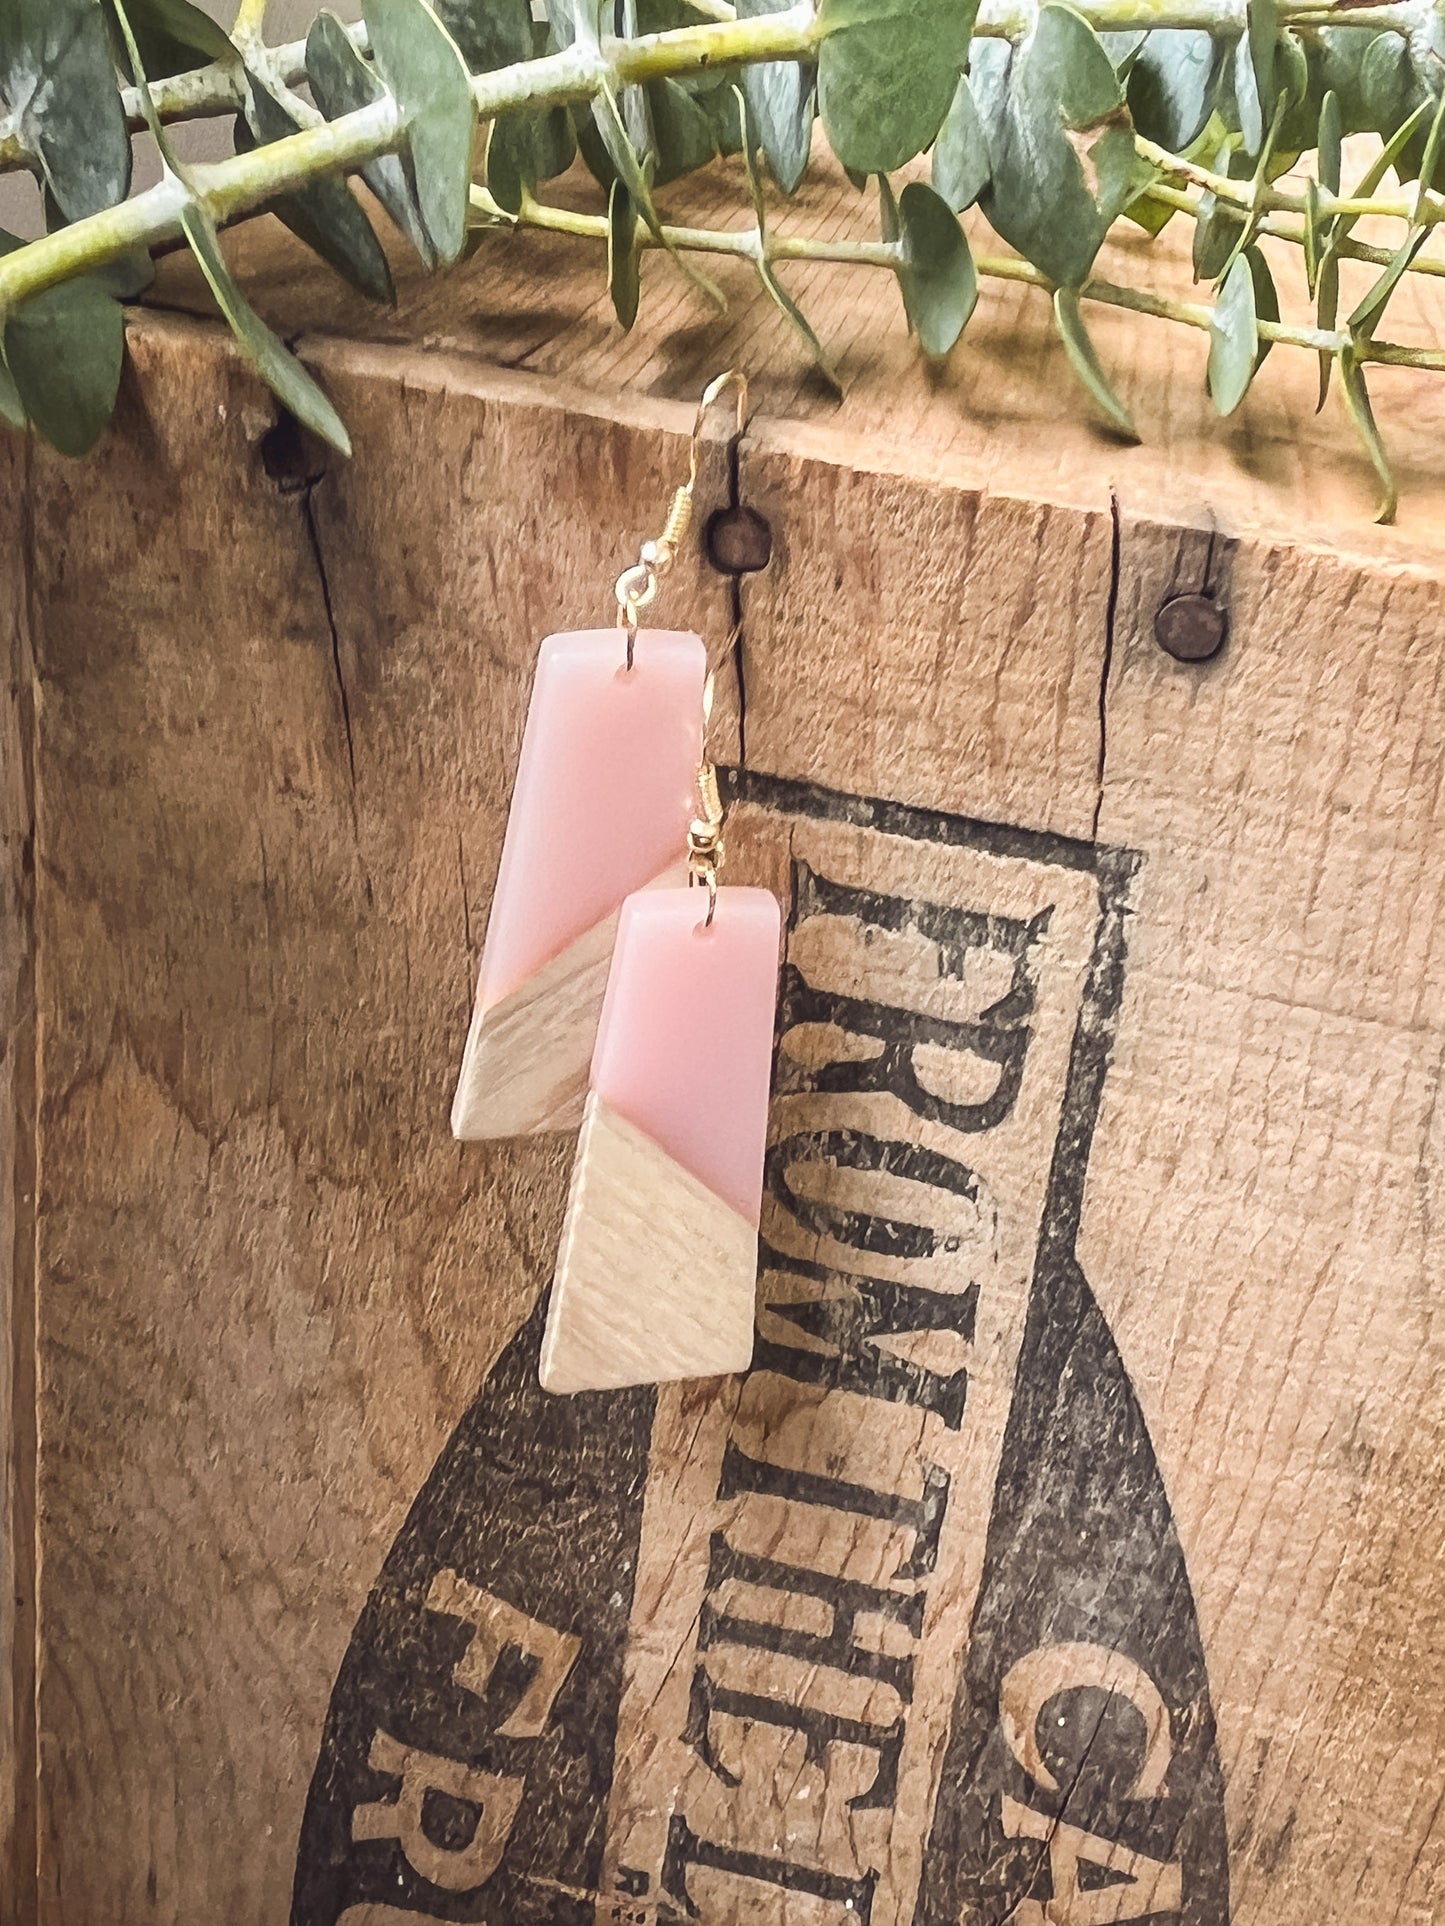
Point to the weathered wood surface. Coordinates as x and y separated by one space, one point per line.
1004 412
277 1307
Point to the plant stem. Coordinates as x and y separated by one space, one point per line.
207 92
1245 194
749 244
1279 230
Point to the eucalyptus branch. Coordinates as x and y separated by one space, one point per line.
1276 229
215 90
1056 117
765 247
1426 211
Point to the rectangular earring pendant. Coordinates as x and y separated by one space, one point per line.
604 792
657 1273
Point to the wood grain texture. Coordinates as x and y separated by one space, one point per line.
17 1212
655 1273
260 900
524 1067
1004 415
274 742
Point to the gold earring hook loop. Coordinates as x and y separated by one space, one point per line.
637 586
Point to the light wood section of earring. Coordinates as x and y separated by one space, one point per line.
525 1065
657 1275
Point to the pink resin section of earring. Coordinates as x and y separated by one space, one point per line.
685 1047
604 792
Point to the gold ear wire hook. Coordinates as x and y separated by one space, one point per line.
637 586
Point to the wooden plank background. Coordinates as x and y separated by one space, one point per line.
258 753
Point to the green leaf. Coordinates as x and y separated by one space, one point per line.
419 62
777 293
488 33
1260 43
1387 83
325 214
173 37
523 149
623 281
341 81
59 84
628 169
782 96
1085 363
1233 339
1220 223
683 135
577 23
1373 304
887 74
1064 161
1266 300
1171 86
1338 57
1357 399
1430 163
961 162
63 353
938 278
275 364
1327 298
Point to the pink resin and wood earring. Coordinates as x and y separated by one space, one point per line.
603 796
658 1266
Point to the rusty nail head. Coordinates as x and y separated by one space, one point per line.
739 541
1191 628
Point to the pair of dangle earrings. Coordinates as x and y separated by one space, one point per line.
624 989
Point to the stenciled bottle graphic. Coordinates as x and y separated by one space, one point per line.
896 1628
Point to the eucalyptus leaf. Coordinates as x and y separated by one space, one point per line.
683 136
419 62
1327 303
1330 143
774 288
990 78
342 81
1233 339
1373 303
1243 98
887 74
63 351
1171 86
1261 43
961 163
173 37
938 278
1388 83
1220 223
325 214
782 97
1266 300
1085 363
1064 164
577 23
60 86
275 364
488 33
623 281
1123 47
1357 399
1338 58
523 149
791 312
629 169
